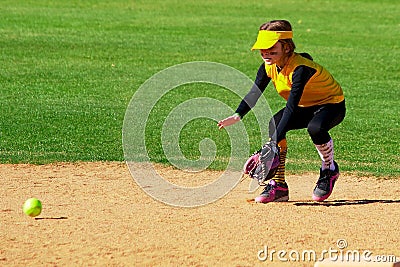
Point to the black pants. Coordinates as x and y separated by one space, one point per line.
317 119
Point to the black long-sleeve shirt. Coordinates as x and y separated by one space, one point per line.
301 76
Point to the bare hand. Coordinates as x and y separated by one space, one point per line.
228 121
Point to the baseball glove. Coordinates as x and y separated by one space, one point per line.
262 165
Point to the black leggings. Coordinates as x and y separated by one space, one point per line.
317 119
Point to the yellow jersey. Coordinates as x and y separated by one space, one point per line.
320 89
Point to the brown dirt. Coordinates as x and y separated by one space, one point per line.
95 214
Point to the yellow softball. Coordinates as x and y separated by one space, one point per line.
32 207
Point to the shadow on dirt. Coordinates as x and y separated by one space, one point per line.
51 218
344 202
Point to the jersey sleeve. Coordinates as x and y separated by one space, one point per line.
250 100
301 75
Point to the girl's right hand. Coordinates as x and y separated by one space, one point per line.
228 121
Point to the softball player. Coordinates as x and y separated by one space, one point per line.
315 101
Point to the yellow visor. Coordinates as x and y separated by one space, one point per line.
267 39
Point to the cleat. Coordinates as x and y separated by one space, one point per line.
273 192
325 183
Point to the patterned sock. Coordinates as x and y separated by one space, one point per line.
325 152
280 172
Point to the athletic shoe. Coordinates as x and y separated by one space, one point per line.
274 192
325 183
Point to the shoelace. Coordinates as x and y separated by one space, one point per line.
268 188
324 180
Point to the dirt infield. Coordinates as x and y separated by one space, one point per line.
95 214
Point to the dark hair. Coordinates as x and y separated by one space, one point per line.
280 25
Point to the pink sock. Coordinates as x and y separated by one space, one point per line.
325 152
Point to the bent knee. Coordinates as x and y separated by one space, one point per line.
315 129
318 134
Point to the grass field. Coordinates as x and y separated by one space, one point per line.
69 70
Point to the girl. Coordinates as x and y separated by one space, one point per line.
314 101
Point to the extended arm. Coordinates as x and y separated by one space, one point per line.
249 100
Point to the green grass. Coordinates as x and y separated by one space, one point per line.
70 68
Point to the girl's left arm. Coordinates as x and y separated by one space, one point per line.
301 75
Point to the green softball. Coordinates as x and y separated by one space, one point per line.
32 207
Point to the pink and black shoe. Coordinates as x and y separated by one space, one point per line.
273 192
325 183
